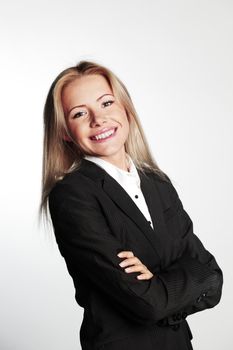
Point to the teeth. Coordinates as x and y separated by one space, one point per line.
104 135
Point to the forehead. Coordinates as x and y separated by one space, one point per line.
86 88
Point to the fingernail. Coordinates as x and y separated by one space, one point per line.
119 254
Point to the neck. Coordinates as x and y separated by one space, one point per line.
119 160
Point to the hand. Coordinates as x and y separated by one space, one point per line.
138 265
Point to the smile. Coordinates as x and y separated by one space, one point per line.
104 136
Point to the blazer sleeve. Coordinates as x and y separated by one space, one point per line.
194 281
90 249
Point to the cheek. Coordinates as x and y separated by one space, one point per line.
122 116
75 131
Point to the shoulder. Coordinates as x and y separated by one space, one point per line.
72 185
164 185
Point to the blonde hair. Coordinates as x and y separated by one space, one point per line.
61 157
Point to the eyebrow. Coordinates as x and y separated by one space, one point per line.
85 105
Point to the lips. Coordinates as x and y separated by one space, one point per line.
100 140
102 131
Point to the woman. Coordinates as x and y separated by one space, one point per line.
138 269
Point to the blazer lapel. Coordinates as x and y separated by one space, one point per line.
161 237
158 237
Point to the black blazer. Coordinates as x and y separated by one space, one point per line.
94 218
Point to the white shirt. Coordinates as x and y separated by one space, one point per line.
130 181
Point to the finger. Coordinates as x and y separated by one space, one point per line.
145 276
130 261
125 254
136 268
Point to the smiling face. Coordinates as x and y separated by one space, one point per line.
90 107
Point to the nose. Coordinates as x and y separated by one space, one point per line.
97 118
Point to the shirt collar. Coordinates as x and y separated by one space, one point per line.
120 175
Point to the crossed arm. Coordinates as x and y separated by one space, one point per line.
190 284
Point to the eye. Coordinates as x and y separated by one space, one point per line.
79 114
106 104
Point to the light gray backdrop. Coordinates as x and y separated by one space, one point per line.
176 58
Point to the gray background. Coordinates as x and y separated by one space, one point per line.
175 57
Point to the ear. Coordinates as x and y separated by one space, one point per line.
129 117
66 138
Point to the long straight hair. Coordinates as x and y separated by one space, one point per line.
61 157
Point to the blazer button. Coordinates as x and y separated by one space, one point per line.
163 322
175 327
